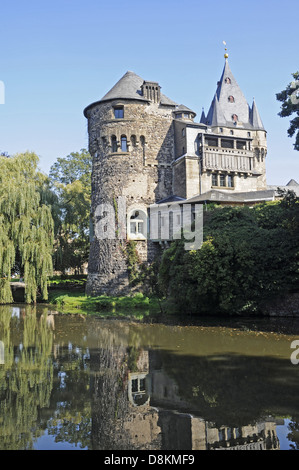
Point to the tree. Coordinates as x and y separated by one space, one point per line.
248 257
26 226
71 181
290 105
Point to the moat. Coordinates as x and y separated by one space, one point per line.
86 383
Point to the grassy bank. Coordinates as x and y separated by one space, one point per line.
77 302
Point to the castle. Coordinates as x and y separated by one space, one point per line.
149 150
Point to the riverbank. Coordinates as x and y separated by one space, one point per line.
76 301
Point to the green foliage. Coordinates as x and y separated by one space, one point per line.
71 181
248 256
80 303
133 262
26 226
290 105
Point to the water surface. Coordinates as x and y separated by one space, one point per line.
82 382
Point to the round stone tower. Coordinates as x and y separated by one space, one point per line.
131 140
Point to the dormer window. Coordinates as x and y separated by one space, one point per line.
119 112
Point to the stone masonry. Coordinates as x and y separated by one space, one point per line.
147 149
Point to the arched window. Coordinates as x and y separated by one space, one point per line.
228 80
123 143
234 117
133 140
113 143
231 99
137 225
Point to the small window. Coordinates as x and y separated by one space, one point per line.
234 117
241 145
135 385
119 112
113 143
228 80
231 99
211 142
123 143
230 181
133 140
231 132
138 225
248 134
227 143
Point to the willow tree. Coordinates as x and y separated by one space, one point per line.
26 226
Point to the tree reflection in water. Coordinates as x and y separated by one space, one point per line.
118 385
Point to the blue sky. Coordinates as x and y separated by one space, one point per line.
56 57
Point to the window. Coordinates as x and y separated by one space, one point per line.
230 181
119 112
214 180
241 144
234 117
212 142
231 99
222 180
227 143
113 143
133 140
138 225
123 143
228 81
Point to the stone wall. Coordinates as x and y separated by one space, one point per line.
141 172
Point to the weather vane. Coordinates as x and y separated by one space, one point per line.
226 54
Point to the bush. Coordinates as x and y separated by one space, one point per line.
248 256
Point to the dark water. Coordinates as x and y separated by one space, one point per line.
76 382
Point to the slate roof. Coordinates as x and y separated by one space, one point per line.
225 196
129 87
292 183
222 109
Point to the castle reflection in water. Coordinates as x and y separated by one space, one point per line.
157 418
113 385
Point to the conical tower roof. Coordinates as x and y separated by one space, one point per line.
229 107
255 117
129 86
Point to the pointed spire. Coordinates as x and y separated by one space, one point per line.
203 117
231 105
215 116
255 118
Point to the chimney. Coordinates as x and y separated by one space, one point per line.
151 91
